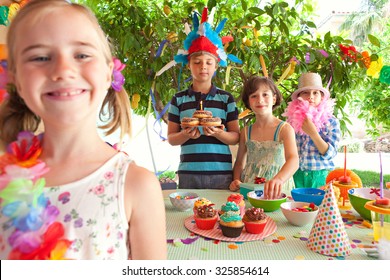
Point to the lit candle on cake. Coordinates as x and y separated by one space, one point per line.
201 105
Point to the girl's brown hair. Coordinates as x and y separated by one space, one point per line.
15 116
253 83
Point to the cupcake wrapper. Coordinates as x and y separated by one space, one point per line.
206 224
254 228
231 231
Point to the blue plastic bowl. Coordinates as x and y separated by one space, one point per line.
308 195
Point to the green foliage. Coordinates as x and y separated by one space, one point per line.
356 147
276 31
167 174
371 178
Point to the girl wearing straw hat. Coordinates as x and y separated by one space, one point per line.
318 134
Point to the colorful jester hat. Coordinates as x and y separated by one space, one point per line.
203 39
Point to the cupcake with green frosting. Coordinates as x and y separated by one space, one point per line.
229 206
231 224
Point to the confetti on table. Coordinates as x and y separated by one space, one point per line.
178 243
204 249
232 246
299 257
275 240
366 224
303 238
281 238
217 241
185 241
268 241
356 241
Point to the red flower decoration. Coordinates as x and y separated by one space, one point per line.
26 149
349 52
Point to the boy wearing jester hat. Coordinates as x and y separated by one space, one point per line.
205 160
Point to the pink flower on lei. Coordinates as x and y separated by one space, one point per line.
12 172
298 110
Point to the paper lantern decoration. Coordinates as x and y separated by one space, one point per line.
328 236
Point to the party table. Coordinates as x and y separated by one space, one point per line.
288 242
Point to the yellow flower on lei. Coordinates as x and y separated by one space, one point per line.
375 68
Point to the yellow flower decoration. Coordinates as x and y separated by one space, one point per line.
375 68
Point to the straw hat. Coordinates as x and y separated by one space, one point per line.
310 81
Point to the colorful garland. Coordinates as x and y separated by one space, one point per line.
375 68
36 233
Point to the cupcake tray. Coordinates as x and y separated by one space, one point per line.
216 232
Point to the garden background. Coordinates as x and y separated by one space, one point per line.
345 41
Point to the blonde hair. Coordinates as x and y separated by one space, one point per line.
15 116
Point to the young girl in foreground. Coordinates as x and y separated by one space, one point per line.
97 203
267 148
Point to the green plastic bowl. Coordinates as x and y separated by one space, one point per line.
256 199
359 196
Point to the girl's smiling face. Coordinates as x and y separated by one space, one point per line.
61 70
262 100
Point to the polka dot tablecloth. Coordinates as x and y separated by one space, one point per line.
287 243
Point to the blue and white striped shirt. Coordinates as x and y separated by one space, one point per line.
309 156
205 155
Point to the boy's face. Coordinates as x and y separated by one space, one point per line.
202 67
314 96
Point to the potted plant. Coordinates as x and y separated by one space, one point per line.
167 180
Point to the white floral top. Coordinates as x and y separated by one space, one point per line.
92 212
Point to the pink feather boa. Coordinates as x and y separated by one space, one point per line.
298 109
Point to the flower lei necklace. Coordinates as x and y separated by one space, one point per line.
36 234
